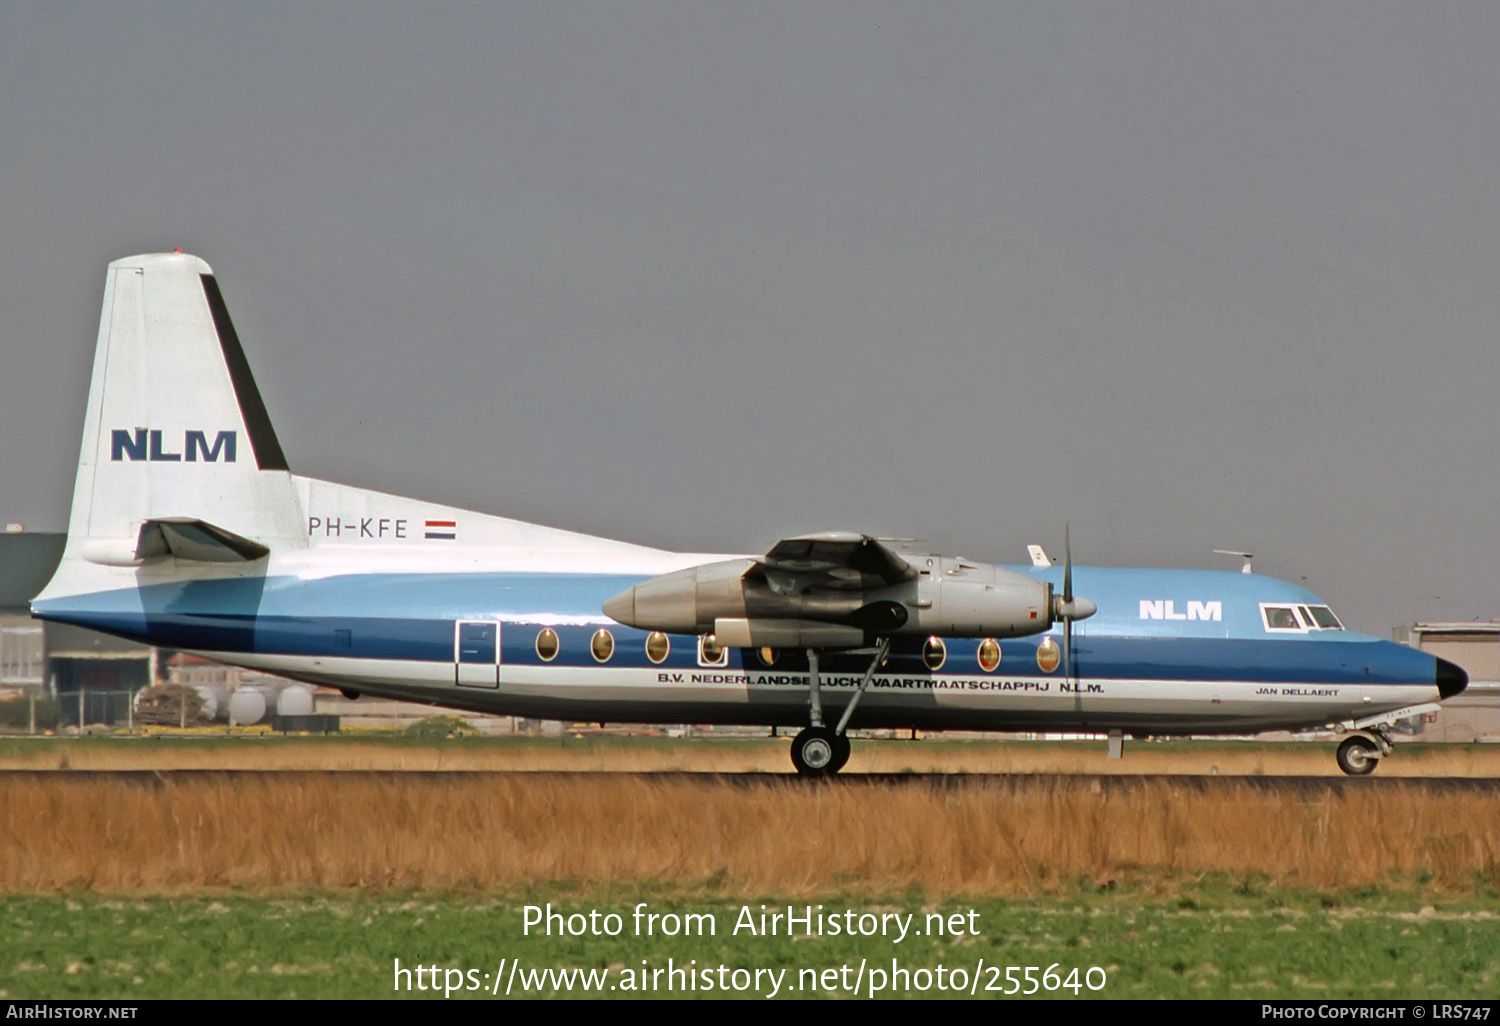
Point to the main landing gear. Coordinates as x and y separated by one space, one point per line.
821 751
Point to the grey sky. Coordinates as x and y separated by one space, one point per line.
701 275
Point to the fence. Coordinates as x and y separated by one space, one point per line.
99 707
36 713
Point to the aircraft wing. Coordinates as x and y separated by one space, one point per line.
836 560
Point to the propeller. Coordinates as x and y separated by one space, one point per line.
1066 607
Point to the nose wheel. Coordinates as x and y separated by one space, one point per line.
1358 756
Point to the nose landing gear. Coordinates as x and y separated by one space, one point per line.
1360 753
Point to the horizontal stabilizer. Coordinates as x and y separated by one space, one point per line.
197 540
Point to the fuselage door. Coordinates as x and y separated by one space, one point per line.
476 653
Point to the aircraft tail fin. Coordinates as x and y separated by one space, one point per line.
179 456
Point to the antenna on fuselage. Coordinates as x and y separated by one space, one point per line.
1246 556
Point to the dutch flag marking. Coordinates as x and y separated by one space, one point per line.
444 529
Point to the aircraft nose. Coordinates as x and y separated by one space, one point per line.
1450 678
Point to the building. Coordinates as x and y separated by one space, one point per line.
84 672
25 559
1475 714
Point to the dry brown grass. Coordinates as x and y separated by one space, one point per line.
731 756
273 832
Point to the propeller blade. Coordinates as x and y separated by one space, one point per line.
1068 649
1066 607
1067 563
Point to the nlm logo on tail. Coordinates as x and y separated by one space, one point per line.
144 444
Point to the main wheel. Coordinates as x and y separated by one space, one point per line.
841 756
1358 756
815 752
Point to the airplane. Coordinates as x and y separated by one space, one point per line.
189 531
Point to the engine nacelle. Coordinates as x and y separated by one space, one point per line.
684 601
950 598
968 600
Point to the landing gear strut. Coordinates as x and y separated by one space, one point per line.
821 751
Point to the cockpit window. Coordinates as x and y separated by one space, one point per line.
1280 618
1323 617
1300 619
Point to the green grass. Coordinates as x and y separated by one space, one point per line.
1211 942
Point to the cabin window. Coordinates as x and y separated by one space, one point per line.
767 655
934 653
989 655
546 645
710 652
657 646
603 645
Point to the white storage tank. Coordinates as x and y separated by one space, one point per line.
294 700
247 706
